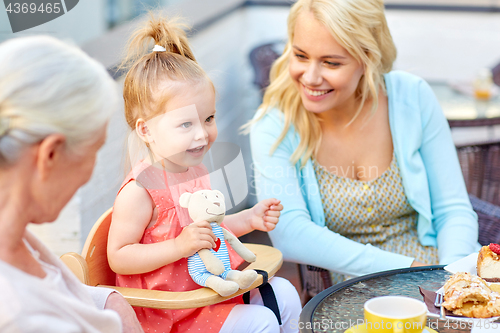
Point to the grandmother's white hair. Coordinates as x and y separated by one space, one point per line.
46 87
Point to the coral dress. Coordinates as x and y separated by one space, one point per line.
165 189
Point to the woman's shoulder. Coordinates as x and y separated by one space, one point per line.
402 80
406 87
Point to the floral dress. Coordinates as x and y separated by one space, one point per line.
375 212
165 189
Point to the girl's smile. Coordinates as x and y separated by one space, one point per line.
198 151
184 133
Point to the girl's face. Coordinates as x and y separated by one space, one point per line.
185 132
325 73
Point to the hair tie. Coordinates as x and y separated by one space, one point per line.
4 126
159 48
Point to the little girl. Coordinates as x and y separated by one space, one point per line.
170 107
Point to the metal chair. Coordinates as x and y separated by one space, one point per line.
92 268
486 122
496 74
480 165
262 58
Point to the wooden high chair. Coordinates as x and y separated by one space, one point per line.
92 268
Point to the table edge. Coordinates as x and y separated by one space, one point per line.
310 307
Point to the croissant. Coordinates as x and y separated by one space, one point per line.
470 296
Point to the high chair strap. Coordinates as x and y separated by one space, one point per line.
267 294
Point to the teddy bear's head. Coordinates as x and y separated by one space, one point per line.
207 205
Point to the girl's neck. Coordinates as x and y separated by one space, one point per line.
165 164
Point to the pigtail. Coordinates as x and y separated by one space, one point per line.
168 33
171 36
148 69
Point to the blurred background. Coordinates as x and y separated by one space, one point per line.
450 43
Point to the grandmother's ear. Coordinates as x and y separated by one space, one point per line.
49 153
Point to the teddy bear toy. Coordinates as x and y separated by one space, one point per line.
211 267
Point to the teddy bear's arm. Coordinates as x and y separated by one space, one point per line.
212 263
241 249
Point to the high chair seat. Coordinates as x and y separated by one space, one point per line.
92 268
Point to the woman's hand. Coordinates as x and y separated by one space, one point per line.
265 214
194 237
117 303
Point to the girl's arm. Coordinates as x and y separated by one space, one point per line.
263 216
132 213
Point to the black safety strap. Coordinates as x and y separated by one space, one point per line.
267 293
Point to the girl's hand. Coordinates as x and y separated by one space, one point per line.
194 237
265 214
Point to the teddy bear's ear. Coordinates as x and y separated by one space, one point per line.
184 199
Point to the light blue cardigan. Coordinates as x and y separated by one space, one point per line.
429 167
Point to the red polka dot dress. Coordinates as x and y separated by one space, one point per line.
165 189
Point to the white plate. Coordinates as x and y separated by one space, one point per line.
476 321
467 264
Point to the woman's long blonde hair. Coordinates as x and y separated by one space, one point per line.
361 28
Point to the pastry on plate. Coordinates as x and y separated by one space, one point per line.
470 296
488 263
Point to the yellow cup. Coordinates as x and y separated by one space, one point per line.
395 314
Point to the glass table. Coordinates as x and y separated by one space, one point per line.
341 306
462 110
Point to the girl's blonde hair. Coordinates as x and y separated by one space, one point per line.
361 28
145 90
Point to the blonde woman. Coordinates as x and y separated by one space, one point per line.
360 156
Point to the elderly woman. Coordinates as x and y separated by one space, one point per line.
55 103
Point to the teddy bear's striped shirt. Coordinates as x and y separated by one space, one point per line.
197 269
